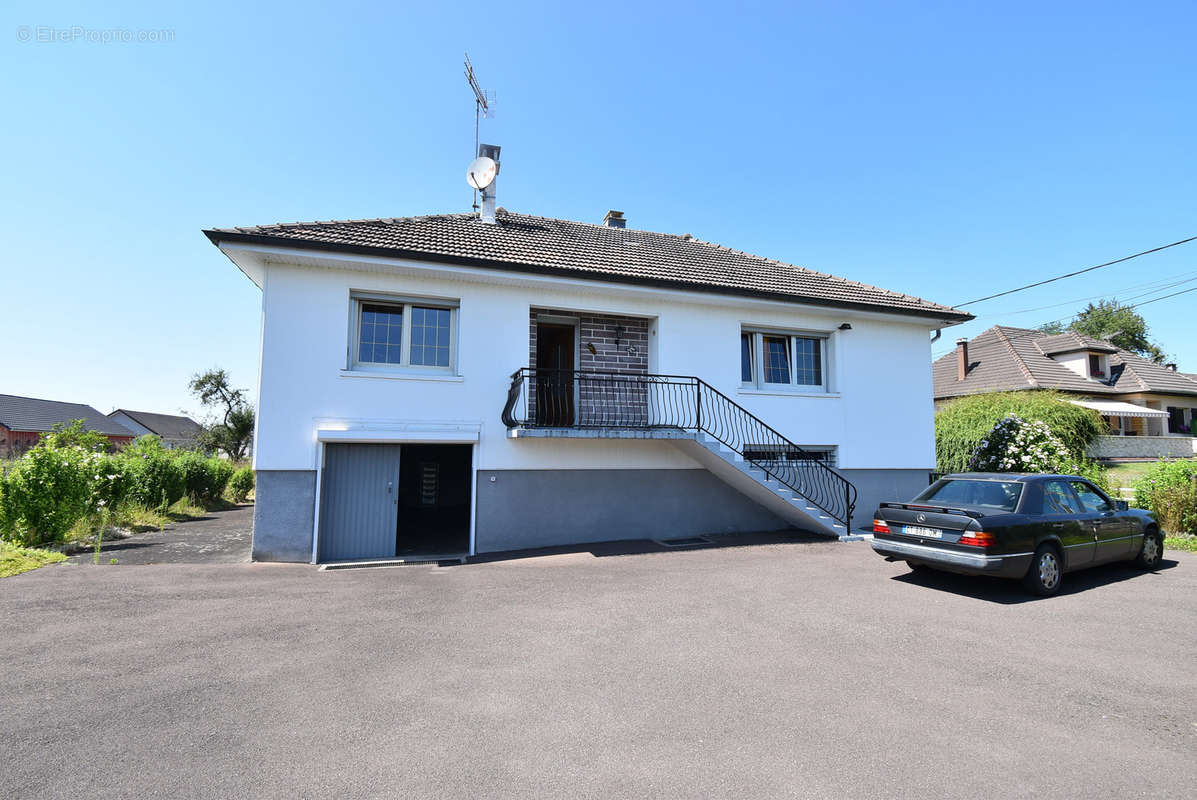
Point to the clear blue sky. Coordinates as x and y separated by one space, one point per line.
942 149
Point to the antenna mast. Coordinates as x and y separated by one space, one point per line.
483 100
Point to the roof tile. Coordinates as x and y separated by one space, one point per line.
541 244
1008 359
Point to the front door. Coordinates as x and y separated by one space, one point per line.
359 491
554 375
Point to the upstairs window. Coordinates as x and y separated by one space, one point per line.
1097 367
393 334
776 360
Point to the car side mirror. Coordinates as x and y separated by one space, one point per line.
1121 505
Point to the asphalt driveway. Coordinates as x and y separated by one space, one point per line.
219 537
801 670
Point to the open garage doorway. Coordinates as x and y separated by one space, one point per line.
381 501
434 499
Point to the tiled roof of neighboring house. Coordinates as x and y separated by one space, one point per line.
1008 359
525 243
1071 342
168 426
31 414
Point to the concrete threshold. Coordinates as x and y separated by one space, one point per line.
403 561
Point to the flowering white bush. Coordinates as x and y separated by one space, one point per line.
1018 445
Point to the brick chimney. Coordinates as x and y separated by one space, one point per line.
961 359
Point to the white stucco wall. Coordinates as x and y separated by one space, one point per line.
130 423
879 411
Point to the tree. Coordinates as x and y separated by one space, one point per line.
235 429
1121 325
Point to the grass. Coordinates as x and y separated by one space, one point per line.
1181 541
1126 474
14 560
140 518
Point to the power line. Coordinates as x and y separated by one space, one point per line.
1115 293
1165 297
1037 329
1077 272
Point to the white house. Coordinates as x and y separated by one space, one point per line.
445 385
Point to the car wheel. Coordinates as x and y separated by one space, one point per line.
1046 572
1152 551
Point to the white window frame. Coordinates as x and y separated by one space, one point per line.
358 299
758 364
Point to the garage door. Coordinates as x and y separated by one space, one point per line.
383 500
359 491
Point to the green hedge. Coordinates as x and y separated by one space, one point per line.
1169 489
241 484
966 421
61 481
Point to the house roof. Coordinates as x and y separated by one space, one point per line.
168 426
30 414
1008 359
525 243
1072 342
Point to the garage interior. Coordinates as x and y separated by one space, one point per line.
382 501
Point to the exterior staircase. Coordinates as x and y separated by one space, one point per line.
759 485
723 436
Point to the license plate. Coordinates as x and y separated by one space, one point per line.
922 533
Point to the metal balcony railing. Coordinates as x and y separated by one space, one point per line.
548 398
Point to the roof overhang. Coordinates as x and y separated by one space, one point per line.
232 242
1116 408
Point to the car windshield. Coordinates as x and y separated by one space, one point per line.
1001 495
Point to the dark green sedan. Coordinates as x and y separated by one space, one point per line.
1012 525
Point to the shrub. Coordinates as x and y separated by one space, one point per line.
154 477
204 478
1169 489
965 421
241 484
47 491
74 435
1018 445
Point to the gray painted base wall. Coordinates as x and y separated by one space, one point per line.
874 486
541 508
284 503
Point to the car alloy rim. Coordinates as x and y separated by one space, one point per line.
1049 570
1151 549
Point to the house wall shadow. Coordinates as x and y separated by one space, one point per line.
638 547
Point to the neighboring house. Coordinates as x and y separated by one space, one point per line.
1153 403
175 431
24 419
445 385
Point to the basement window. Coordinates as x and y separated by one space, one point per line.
403 335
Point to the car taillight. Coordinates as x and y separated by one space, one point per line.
880 526
977 538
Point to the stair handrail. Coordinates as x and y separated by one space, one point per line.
840 489
850 492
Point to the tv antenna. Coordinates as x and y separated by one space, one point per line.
484 100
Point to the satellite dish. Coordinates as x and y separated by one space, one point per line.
481 172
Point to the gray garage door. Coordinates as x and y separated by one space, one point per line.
359 492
